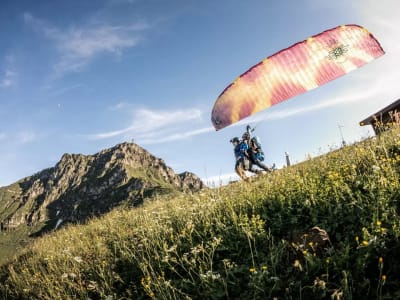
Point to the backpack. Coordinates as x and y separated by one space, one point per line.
259 154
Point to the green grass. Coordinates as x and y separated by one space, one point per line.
14 241
241 241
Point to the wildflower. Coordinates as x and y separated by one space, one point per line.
319 283
298 265
211 275
92 285
78 259
378 223
264 268
172 248
383 279
365 243
380 260
229 264
375 168
145 282
252 270
216 241
357 239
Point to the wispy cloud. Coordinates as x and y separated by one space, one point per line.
8 79
119 106
9 76
19 138
151 127
25 137
77 46
177 136
154 120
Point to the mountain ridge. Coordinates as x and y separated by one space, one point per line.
82 186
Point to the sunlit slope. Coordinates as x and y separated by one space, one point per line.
241 241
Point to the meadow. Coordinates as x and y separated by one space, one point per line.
245 240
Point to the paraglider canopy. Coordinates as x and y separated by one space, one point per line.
295 70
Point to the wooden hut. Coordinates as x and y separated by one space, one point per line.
386 116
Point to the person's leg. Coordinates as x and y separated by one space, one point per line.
262 165
240 170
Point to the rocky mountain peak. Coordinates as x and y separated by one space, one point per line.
80 186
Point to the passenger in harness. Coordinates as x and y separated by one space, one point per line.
243 162
255 152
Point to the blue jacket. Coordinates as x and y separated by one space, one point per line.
241 150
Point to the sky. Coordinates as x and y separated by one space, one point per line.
80 76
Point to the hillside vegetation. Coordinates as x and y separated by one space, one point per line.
247 240
80 187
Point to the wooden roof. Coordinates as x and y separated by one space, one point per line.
368 121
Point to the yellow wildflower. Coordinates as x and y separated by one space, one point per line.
383 279
298 265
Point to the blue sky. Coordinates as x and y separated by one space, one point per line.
80 76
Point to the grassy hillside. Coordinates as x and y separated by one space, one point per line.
12 242
241 241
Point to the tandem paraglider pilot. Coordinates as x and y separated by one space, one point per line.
240 152
248 154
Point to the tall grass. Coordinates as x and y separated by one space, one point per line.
241 241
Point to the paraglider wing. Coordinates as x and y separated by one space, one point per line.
295 70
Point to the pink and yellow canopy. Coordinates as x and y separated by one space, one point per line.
295 70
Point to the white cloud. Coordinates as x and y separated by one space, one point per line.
20 137
119 106
176 136
24 137
153 120
152 127
77 46
9 79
